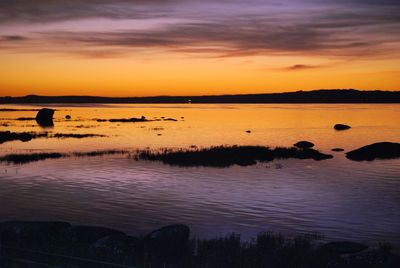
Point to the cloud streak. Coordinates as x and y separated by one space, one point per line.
214 28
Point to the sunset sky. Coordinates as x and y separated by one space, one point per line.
187 47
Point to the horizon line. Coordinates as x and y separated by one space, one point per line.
212 95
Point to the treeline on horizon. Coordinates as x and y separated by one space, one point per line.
314 96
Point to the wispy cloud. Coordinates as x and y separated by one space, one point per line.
298 67
213 28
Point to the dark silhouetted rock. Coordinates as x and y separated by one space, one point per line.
167 244
33 235
337 149
341 127
45 117
78 239
343 247
380 150
68 117
367 259
120 249
170 119
248 131
304 144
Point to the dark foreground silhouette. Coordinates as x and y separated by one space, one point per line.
225 156
61 244
380 150
314 96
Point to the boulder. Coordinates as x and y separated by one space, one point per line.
337 150
117 248
367 259
168 244
380 150
68 117
341 127
304 144
32 235
45 117
88 234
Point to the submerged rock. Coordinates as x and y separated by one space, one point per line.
45 117
380 150
304 144
341 127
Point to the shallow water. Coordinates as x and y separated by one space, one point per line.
338 198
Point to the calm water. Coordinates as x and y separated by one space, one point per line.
338 198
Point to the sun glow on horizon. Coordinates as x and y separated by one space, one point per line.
122 49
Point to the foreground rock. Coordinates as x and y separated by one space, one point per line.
341 127
167 244
59 244
380 150
45 117
304 144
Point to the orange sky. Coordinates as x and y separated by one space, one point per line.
236 48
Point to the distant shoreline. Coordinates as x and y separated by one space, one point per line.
315 96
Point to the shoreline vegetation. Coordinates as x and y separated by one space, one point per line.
7 136
222 156
313 96
34 157
61 244
226 156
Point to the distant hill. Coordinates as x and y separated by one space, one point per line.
314 96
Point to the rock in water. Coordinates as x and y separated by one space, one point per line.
380 150
45 117
341 127
337 150
68 117
304 144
